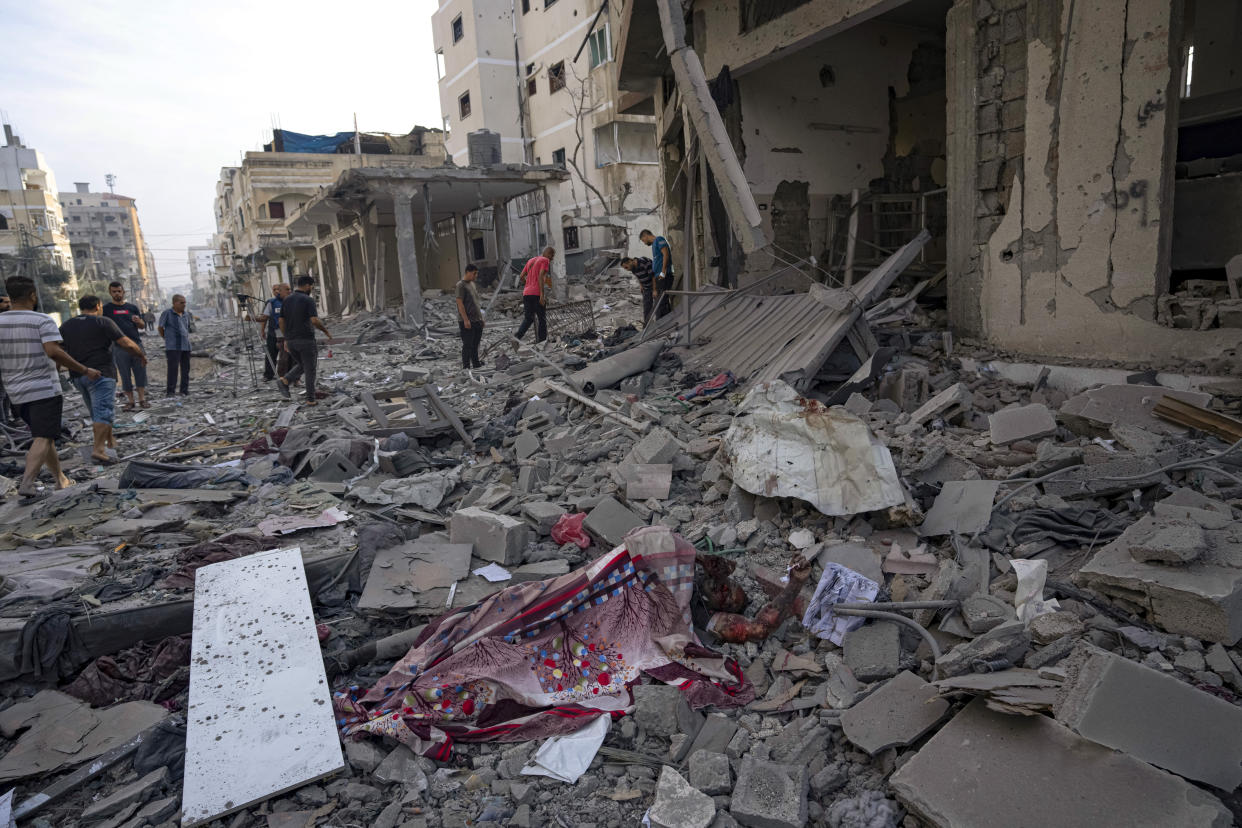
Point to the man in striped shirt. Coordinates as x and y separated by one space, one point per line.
644 272
30 350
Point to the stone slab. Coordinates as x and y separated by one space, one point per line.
963 506
769 795
986 769
897 714
543 514
873 651
414 575
259 720
1202 598
610 522
526 445
1099 408
859 557
1026 422
678 805
1152 716
657 446
647 480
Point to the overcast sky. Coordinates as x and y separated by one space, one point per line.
163 94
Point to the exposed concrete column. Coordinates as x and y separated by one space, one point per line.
965 279
407 255
500 225
713 137
462 234
374 253
319 263
340 251
556 238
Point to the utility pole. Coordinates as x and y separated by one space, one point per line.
111 181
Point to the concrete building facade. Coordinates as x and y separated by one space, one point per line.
540 76
254 201
106 228
1075 163
202 262
30 212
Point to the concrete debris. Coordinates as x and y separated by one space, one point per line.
1024 422
896 715
678 805
963 507
770 795
493 537
964 778
873 651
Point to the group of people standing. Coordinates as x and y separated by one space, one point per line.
288 321
654 275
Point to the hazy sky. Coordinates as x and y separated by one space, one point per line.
163 94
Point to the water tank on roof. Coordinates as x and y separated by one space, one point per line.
483 147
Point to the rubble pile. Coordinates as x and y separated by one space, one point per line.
589 585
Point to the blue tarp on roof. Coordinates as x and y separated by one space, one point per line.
285 141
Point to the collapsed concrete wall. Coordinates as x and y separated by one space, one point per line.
1073 146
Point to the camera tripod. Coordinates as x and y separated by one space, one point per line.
248 337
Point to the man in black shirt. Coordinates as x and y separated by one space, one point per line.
129 319
88 338
298 319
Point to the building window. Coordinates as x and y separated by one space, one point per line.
79 201
548 3
525 6
571 238
757 12
532 86
558 157
459 31
103 204
76 218
601 51
622 142
4 222
477 250
276 209
556 76
439 65
463 105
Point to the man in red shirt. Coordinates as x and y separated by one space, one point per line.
534 295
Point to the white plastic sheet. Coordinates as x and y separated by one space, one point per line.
781 445
567 757
1028 600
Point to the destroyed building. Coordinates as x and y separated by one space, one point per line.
1071 160
813 550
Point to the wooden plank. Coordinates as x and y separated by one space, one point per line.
450 415
1195 416
260 719
374 409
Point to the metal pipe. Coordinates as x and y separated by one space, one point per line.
899 619
899 605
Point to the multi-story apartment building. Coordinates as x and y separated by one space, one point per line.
105 227
253 200
540 74
31 220
202 261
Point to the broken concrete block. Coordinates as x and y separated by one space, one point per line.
402 766
543 514
1027 422
963 506
364 756
1008 642
873 651
655 708
715 734
135 793
967 775
657 446
1169 541
1152 716
335 468
1202 598
858 405
610 522
710 772
858 557
678 805
1050 626
1092 412
526 445
154 813
496 537
647 480
1096 480
897 714
947 403
415 374
769 795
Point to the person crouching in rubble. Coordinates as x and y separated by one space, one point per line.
535 295
641 268
471 324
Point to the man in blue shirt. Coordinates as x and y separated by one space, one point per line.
662 266
269 321
174 326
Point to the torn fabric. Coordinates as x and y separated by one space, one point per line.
838 585
541 658
782 445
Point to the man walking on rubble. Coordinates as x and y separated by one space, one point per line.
174 326
269 323
662 267
298 319
30 350
470 325
535 296
129 319
88 338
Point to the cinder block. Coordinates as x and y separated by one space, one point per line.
495 537
543 514
873 651
610 522
658 446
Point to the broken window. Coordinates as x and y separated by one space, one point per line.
439 64
622 142
276 209
571 238
463 105
525 6
558 157
601 51
556 76
459 30
757 12
532 87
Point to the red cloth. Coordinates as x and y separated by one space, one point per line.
569 530
532 273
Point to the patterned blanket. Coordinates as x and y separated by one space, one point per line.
545 657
